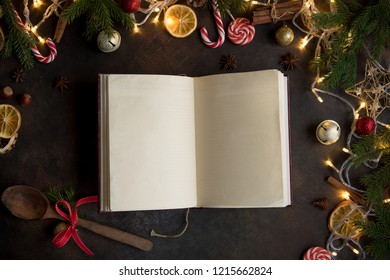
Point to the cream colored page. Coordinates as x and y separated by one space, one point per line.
152 142
238 140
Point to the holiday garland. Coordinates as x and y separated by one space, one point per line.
100 16
353 24
17 39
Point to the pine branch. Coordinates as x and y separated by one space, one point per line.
378 233
18 40
355 24
100 15
370 147
226 6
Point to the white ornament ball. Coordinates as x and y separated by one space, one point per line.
328 132
108 43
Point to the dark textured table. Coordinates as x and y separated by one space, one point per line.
57 146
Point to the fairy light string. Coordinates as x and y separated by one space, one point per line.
50 10
154 6
374 95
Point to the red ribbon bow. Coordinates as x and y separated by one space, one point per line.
63 236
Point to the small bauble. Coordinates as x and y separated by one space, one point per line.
59 227
108 43
365 125
25 99
284 35
130 6
328 132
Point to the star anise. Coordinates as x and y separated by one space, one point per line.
18 75
62 83
289 61
228 62
321 203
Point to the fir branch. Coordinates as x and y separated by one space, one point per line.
18 40
354 24
100 16
378 233
226 6
377 183
370 147
53 194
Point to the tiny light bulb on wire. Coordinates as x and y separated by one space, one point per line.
330 164
387 200
345 195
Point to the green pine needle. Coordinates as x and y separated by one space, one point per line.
17 39
100 15
53 194
225 6
356 24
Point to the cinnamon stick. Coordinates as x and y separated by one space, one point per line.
353 195
277 11
61 24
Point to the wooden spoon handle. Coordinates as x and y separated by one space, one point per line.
116 234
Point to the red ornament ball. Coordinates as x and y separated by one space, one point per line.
365 125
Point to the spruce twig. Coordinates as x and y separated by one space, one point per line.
225 6
355 23
17 39
100 16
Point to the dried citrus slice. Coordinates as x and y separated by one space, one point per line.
342 220
10 121
180 20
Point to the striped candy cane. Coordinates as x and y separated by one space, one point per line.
50 57
34 49
221 32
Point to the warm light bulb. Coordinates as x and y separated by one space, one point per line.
330 164
169 21
155 20
345 195
320 79
37 3
345 150
135 29
304 42
334 254
41 40
387 200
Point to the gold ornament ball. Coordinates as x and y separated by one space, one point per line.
59 227
284 35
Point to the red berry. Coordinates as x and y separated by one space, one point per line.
131 6
25 99
365 125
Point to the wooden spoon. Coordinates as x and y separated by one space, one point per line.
29 203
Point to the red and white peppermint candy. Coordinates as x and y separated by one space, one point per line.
317 253
50 57
221 32
240 31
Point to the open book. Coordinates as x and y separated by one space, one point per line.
177 142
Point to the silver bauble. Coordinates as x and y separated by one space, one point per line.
328 132
108 43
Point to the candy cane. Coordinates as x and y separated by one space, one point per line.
240 31
34 49
221 32
50 57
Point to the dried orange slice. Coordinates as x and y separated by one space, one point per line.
10 121
180 20
342 220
